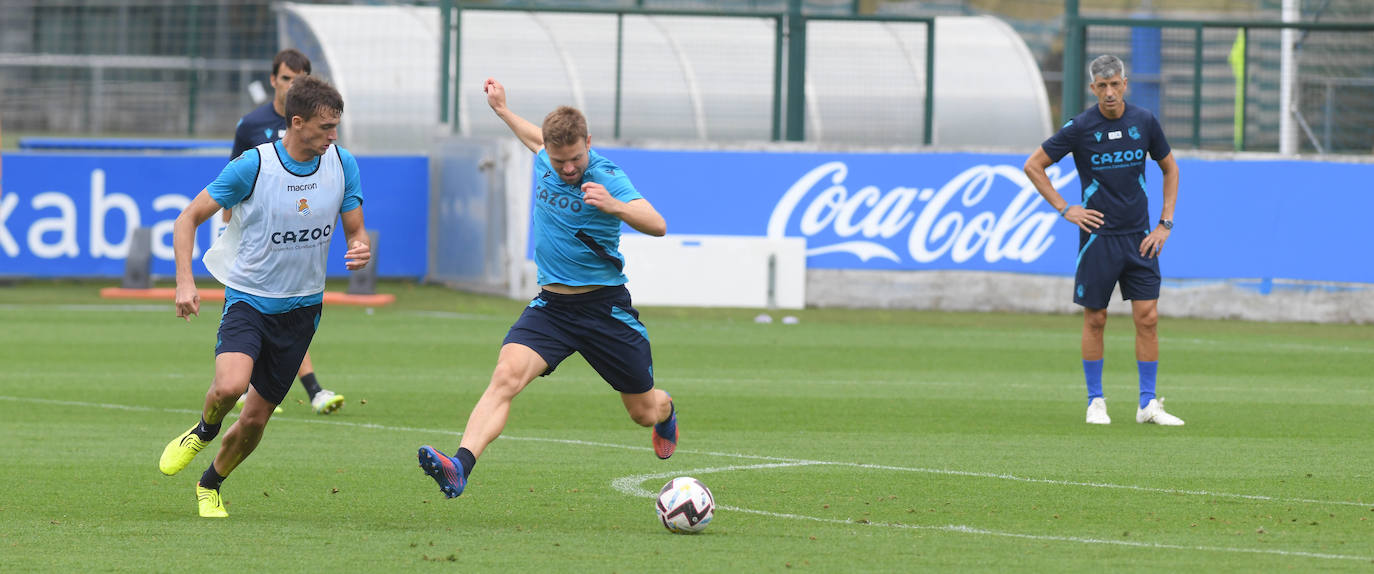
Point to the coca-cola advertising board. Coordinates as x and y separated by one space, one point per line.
966 211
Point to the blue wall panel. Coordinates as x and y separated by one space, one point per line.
67 215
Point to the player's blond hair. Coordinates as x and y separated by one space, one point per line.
564 126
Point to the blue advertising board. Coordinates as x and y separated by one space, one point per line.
72 215
964 211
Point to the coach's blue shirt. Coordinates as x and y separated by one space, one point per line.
260 126
1110 157
575 243
235 183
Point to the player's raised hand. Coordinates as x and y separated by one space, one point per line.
496 94
1085 219
595 195
188 302
357 256
1154 243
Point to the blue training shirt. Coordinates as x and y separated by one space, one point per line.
1110 157
575 243
258 127
235 184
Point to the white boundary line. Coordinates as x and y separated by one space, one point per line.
630 484
775 459
1035 333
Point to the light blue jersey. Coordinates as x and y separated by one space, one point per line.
236 180
575 243
236 183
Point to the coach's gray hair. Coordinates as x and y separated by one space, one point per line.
1106 66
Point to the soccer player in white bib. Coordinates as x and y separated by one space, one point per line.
265 124
287 198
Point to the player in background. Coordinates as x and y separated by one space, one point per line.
1109 143
265 124
584 306
287 196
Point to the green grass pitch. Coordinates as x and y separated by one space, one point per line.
854 441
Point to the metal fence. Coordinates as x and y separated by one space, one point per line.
131 66
1219 84
791 56
185 67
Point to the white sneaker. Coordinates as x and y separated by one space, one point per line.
1154 413
326 402
1097 412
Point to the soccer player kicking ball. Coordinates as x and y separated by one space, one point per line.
583 306
286 196
1109 142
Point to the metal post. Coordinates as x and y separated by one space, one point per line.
445 28
192 50
929 136
619 66
1244 83
1328 114
1197 88
1072 89
457 65
772 280
777 77
796 72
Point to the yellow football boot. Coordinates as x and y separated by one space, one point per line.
211 505
180 451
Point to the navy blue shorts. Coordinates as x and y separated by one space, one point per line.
601 325
1105 260
277 344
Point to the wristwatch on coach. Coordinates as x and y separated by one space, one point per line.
1167 223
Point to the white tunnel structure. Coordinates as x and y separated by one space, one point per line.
698 78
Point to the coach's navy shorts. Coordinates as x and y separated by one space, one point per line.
277 344
601 325
1105 260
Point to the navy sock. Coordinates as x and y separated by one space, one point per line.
211 479
311 385
465 456
206 431
1147 370
1092 371
672 410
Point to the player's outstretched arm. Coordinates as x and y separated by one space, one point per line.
183 243
529 134
1085 219
637 213
359 244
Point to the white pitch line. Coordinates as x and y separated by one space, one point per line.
92 307
631 485
784 461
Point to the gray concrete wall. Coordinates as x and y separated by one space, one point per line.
1013 292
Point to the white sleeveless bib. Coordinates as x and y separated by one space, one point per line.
277 241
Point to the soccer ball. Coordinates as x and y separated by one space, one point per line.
685 505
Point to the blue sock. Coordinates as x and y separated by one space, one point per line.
1092 370
1147 369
